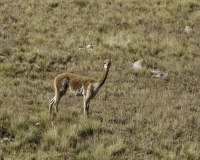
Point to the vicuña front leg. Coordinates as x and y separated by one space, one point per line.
86 105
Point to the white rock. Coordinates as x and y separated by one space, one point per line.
89 46
137 64
5 139
161 75
37 124
80 48
155 71
188 29
52 124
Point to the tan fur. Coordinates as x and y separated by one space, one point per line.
79 86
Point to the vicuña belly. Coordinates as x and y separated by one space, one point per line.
77 92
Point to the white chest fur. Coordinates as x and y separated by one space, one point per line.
95 87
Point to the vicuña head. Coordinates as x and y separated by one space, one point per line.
79 86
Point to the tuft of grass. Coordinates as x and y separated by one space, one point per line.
50 139
116 149
88 127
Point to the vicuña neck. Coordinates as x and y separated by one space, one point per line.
103 77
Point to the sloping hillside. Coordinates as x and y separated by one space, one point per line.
134 115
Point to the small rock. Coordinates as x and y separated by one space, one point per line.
138 64
52 124
116 47
89 46
188 29
161 75
155 71
80 48
37 124
4 140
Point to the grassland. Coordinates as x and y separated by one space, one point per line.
134 115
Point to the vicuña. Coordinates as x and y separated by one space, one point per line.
79 86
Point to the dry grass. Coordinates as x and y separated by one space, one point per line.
134 116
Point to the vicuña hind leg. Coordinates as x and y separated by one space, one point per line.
51 104
59 93
55 101
59 96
